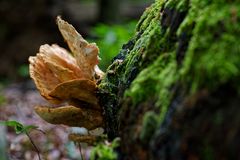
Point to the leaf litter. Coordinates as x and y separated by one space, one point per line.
53 145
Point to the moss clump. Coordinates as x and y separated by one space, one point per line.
149 126
149 15
154 84
211 57
213 54
178 5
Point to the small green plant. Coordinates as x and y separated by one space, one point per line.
18 127
104 151
110 38
25 129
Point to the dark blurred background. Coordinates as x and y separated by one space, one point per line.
27 24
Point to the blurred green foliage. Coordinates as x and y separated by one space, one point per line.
103 151
23 70
2 99
110 39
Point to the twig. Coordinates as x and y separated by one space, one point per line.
35 147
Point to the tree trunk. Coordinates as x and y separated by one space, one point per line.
173 90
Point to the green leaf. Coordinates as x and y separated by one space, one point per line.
18 127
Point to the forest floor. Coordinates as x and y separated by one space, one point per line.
18 105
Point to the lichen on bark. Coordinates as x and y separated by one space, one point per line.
177 76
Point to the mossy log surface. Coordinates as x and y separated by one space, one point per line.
173 90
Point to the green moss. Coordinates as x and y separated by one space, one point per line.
154 82
149 15
143 49
150 30
178 5
213 54
109 80
171 4
211 58
149 126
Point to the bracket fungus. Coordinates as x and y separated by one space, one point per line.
68 78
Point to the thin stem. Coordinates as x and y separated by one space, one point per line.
80 150
40 130
35 147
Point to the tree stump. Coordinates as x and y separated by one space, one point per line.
173 90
